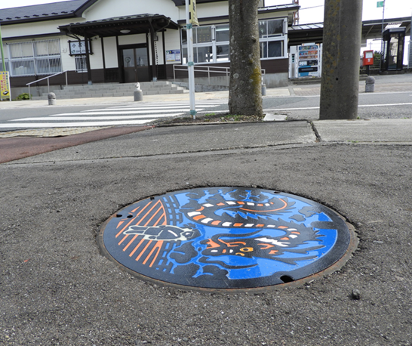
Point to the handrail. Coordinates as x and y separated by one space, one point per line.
208 69
48 81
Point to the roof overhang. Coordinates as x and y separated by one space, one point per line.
371 29
182 2
126 25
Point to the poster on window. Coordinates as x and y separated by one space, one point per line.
309 61
5 86
173 55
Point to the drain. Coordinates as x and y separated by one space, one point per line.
226 238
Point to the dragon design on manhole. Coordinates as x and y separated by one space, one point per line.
226 238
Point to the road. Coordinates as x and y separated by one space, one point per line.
86 116
392 99
387 105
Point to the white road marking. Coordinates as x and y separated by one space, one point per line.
75 124
117 117
110 113
171 108
360 106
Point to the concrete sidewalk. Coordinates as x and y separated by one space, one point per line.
57 289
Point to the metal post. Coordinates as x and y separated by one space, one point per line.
2 52
410 46
190 63
67 81
382 45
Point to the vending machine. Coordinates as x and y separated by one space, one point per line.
309 61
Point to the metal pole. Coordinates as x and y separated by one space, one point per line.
410 46
382 45
2 52
190 63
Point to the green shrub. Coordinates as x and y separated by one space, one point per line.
24 96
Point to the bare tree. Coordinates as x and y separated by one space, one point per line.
245 93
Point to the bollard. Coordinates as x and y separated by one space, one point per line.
52 99
263 89
138 94
370 85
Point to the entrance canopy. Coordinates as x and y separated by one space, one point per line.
126 25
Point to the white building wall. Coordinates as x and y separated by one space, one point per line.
37 28
68 63
110 52
131 39
96 59
108 9
207 10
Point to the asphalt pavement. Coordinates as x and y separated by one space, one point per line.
56 288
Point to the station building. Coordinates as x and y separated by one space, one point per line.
123 41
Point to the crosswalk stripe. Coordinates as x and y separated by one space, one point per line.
147 108
109 113
117 117
75 124
129 114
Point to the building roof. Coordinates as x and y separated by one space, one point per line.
182 2
306 33
135 24
56 10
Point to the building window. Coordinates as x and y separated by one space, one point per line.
272 38
81 65
211 44
33 58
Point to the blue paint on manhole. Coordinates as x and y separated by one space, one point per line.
225 238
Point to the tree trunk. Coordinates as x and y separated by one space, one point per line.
245 91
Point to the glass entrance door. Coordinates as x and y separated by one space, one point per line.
135 62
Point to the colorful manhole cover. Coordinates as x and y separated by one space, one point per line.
226 238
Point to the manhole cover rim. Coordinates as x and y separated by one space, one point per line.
239 285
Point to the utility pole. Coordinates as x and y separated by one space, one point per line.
340 62
245 87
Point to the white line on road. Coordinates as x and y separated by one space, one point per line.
360 106
113 113
75 124
173 108
117 117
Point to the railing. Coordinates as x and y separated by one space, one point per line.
209 70
48 82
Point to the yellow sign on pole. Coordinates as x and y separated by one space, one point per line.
5 86
193 14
